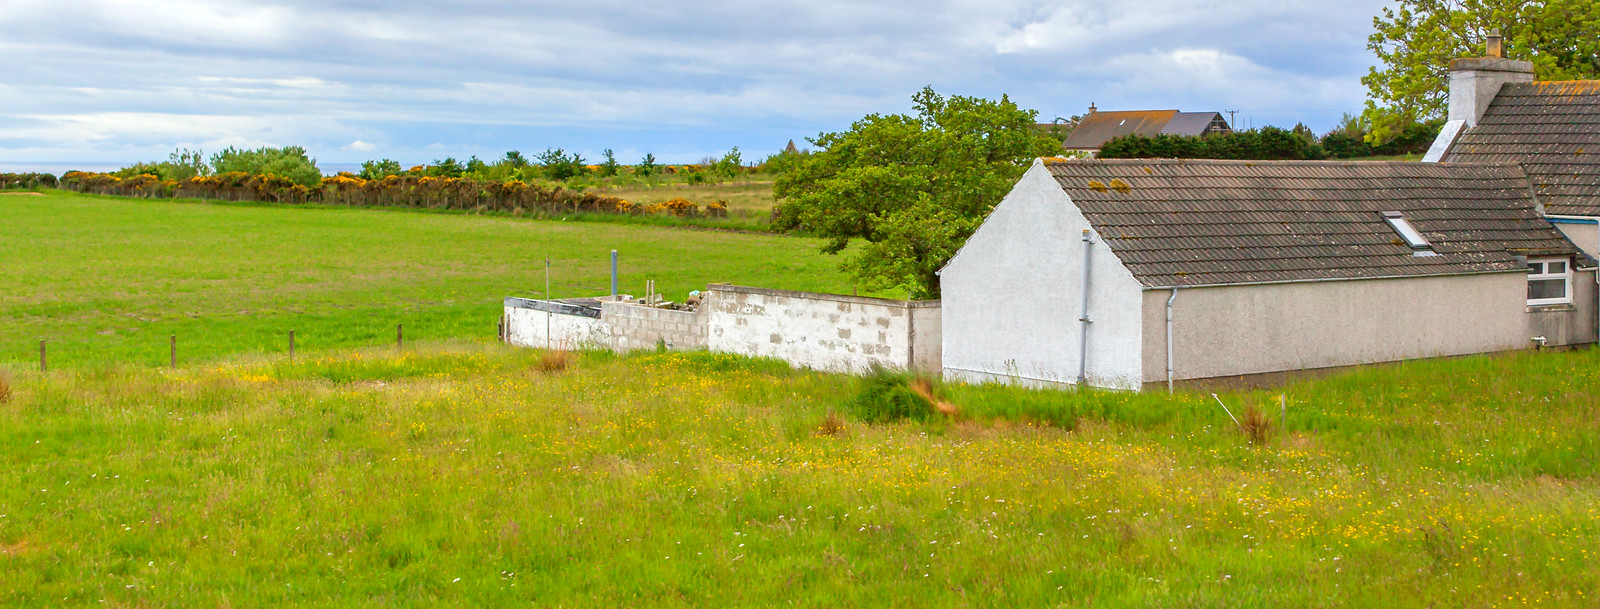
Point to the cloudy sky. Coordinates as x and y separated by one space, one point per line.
89 81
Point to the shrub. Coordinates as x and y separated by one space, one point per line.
886 396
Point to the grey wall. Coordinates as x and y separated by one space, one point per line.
634 326
1585 236
1240 330
823 331
1563 325
535 323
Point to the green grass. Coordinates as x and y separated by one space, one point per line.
460 475
456 473
109 280
749 202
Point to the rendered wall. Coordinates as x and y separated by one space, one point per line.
526 326
1563 325
1240 330
1013 295
639 327
1585 236
828 332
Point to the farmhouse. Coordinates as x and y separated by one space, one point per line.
1097 127
1499 114
1125 273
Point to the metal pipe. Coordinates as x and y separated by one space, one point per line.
1171 298
613 274
1083 335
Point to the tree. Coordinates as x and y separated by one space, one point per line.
912 187
378 170
647 165
1416 41
558 165
289 163
609 167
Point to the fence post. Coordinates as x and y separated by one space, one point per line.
613 274
291 345
173 354
399 337
44 366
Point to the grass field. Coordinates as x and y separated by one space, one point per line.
108 279
463 473
748 202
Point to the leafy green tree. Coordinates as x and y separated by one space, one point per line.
647 166
289 162
447 168
1415 42
378 170
559 165
516 160
912 187
729 165
610 167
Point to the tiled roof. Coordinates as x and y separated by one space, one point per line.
1187 223
1101 127
1191 123
1553 130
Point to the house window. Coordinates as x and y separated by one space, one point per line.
1549 281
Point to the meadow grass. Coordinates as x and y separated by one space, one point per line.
749 201
108 279
461 474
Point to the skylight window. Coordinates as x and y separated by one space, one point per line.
1413 237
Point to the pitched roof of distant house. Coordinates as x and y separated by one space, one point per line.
1553 130
1100 127
1188 222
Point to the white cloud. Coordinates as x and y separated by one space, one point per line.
107 79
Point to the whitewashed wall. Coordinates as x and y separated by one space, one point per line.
527 322
828 332
1013 294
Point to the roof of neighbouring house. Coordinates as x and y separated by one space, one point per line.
1553 130
1100 127
1191 222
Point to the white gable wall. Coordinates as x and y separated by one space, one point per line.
1013 294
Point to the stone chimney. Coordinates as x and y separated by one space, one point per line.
1475 81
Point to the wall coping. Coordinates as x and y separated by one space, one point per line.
552 306
884 302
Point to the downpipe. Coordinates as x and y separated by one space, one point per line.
1083 319
1170 299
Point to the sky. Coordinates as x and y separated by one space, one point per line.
102 83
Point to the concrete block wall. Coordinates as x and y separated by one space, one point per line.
828 332
639 327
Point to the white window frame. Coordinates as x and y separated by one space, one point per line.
1541 274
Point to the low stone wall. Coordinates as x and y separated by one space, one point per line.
829 332
639 327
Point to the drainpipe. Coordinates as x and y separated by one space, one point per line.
1171 298
1083 335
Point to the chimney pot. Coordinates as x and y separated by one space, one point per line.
1496 45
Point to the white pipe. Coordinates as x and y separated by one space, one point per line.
1083 335
1171 298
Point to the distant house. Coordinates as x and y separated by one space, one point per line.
1499 114
1097 127
1125 273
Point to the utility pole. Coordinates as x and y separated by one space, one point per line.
1231 114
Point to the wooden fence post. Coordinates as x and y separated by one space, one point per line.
44 365
173 355
399 337
291 345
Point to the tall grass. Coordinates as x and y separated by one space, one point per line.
454 474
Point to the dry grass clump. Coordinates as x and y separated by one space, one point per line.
5 388
555 360
1255 425
922 386
832 425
